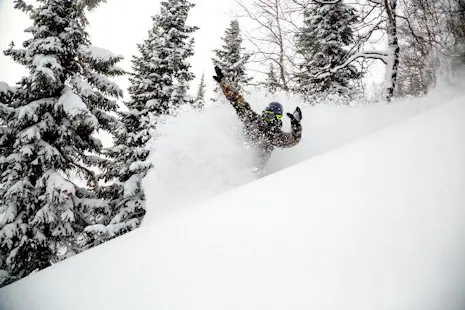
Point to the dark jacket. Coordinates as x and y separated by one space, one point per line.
262 135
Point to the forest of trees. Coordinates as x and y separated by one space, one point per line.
48 119
304 46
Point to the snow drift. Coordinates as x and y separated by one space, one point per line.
375 224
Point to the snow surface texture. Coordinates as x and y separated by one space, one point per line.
376 224
199 155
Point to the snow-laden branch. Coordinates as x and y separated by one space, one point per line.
5 88
368 54
26 8
362 39
90 4
327 1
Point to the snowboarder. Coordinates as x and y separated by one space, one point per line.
263 131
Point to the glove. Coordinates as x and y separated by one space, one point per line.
219 75
295 117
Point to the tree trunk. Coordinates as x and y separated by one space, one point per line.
393 48
281 48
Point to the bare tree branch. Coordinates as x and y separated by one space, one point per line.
272 39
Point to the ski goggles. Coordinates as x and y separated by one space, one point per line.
270 115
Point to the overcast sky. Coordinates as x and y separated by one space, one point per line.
119 25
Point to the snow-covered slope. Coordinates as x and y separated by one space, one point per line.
376 224
200 155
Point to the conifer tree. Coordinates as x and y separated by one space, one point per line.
200 97
53 116
271 83
158 85
322 42
232 59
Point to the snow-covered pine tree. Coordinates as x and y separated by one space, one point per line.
200 97
271 82
158 85
55 111
232 59
327 31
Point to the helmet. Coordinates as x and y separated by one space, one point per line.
275 107
273 113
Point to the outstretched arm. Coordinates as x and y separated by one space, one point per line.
290 139
243 109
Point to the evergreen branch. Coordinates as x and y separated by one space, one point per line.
21 5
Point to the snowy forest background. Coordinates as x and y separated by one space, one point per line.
62 191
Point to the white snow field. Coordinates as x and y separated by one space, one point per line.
375 224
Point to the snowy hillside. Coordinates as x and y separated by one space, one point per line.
375 224
200 155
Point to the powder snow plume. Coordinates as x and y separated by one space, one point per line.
196 155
